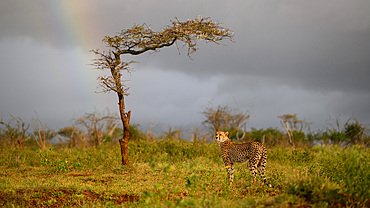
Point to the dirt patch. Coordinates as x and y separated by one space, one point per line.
61 197
116 198
79 174
104 180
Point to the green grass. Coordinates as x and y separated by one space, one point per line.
181 174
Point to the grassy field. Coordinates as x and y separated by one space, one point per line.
173 173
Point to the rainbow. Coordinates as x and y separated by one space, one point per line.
68 24
70 21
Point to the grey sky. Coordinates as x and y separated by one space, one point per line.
305 57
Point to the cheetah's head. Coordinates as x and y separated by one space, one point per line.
221 136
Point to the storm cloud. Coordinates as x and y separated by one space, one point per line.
305 57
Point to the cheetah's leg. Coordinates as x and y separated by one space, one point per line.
261 168
253 169
230 172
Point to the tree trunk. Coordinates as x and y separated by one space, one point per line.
97 142
285 125
125 118
20 142
126 136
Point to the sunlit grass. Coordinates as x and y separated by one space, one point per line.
184 174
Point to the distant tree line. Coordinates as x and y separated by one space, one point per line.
295 132
101 128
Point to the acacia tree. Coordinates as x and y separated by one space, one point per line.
291 124
97 125
41 133
224 118
16 130
140 39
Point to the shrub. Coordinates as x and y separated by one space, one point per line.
135 133
172 150
350 169
317 191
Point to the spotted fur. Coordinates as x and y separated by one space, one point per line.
232 152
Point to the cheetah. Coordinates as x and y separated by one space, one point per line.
232 152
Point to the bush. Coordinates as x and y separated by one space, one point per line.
172 150
350 169
136 134
272 136
317 191
301 157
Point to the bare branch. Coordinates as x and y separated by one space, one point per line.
285 125
222 117
16 130
97 125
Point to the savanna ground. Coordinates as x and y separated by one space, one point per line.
177 173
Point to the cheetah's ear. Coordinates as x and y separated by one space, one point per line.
227 133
